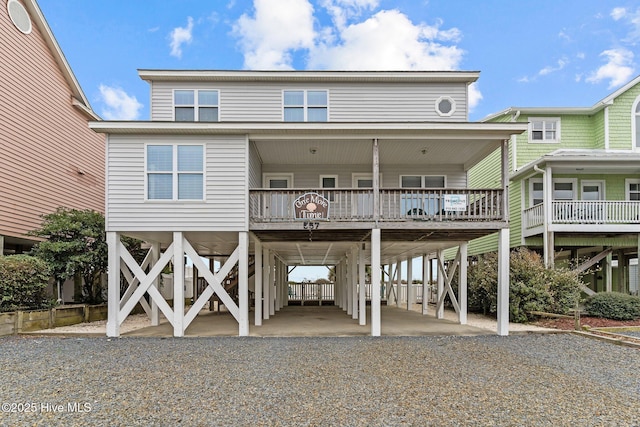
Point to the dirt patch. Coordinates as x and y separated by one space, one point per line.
593 322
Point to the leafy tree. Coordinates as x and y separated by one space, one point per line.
75 246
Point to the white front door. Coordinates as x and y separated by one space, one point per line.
278 202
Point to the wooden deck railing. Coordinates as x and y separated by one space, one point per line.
396 204
585 212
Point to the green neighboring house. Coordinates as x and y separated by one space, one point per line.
574 192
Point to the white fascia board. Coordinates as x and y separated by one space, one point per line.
309 76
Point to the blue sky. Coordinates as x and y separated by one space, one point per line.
530 53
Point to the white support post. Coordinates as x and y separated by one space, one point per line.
354 283
462 284
265 281
349 282
398 282
178 284
426 277
286 286
155 312
278 284
272 283
258 283
113 297
362 296
548 237
440 288
243 284
608 272
503 282
409 284
375 282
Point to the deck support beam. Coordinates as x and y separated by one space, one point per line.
503 282
243 284
113 298
258 282
354 283
426 281
362 301
266 288
375 282
410 293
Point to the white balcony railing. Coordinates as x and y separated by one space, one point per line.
405 204
584 212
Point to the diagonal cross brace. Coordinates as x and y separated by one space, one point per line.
146 282
214 281
132 280
447 283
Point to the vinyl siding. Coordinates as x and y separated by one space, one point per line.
225 186
309 177
44 140
620 116
255 167
347 102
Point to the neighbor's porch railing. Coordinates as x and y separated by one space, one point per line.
584 212
325 292
397 204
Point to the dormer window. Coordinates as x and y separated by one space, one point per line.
544 130
196 105
305 105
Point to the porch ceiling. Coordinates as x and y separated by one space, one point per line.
360 151
326 247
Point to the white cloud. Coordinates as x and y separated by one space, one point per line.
551 69
475 96
342 11
180 36
389 41
267 38
119 105
618 69
618 13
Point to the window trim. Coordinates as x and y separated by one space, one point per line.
422 177
196 106
175 173
556 140
573 181
627 187
305 104
451 101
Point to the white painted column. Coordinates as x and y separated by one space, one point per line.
354 283
265 282
426 276
286 286
337 291
272 283
462 284
178 284
608 272
440 285
548 237
278 284
344 287
362 296
2 252
113 290
349 281
258 283
375 283
503 282
243 284
155 312
398 282
410 294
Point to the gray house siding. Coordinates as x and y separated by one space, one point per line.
225 187
258 102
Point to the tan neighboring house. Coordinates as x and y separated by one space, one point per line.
48 155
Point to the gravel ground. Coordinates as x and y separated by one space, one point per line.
525 380
630 334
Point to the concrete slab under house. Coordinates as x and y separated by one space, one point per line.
239 176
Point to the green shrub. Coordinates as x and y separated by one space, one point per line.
613 305
532 286
23 283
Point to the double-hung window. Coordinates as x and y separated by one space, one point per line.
633 189
192 105
544 130
175 172
421 202
305 105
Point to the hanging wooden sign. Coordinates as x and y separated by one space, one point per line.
311 206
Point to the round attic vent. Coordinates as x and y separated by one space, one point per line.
19 16
445 106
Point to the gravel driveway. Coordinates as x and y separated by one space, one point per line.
526 380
